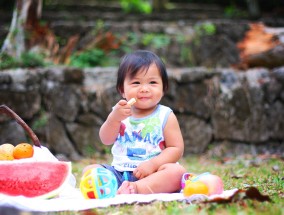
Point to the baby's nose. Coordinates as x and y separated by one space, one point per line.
144 88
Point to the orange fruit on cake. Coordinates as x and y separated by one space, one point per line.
23 150
196 187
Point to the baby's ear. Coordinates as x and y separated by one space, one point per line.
122 94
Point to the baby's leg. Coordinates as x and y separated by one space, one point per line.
166 180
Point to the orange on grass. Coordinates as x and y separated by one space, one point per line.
23 150
196 187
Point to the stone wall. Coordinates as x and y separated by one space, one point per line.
221 111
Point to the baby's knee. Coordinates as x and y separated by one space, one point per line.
175 169
179 169
175 172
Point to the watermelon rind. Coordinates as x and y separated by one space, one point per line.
34 179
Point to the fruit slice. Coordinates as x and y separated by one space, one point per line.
41 179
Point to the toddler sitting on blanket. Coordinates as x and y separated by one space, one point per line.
146 137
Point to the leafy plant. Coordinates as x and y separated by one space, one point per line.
7 61
206 28
232 11
41 121
94 57
203 30
88 58
136 6
27 60
156 40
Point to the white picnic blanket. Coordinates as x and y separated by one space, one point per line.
71 198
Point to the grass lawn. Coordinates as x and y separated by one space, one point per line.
266 173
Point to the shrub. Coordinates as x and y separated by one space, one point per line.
136 6
89 58
7 61
27 60
31 60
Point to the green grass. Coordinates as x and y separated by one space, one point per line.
264 173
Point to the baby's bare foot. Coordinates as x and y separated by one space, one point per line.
127 188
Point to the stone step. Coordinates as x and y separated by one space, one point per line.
82 17
82 12
115 6
71 15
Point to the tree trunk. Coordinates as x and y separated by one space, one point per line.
25 15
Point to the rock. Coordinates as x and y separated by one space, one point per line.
58 140
19 90
63 101
86 138
12 132
196 133
212 106
276 121
240 113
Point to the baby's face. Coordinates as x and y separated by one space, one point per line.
146 87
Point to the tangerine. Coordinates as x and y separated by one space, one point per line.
4 156
7 148
196 187
23 150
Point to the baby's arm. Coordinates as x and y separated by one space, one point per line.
174 142
171 154
110 128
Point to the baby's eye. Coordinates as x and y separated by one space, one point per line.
153 82
136 82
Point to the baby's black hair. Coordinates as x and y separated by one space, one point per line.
140 60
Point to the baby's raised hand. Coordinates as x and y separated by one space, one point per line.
121 111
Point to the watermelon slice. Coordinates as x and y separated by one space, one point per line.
33 179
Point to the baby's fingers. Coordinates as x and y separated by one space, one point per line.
137 174
121 103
